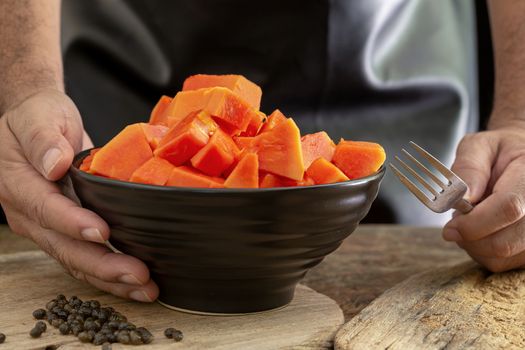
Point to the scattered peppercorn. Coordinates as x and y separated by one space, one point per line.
168 332
36 332
2 338
177 335
39 314
64 329
90 322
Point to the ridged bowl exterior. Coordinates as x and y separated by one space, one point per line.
226 250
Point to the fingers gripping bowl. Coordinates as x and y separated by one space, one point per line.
226 250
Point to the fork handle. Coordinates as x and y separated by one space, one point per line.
463 206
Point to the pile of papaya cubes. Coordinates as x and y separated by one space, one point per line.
213 135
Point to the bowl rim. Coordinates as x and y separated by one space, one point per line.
138 186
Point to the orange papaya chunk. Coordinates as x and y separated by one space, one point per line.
158 115
324 172
219 102
305 181
273 119
270 180
315 146
247 90
185 176
123 154
243 141
155 171
86 162
358 158
245 174
279 150
154 133
218 154
185 139
256 122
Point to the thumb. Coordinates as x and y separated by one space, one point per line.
49 131
474 158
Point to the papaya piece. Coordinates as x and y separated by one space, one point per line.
155 171
219 102
158 115
185 139
154 133
218 154
185 176
323 171
247 90
273 119
86 162
269 180
245 174
315 146
123 154
279 150
358 158
243 142
305 181
256 122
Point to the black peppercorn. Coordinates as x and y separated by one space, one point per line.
89 325
123 337
76 329
135 338
85 311
57 322
146 336
112 338
177 335
99 339
85 337
168 332
35 332
64 329
39 314
41 325
94 304
2 338
51 305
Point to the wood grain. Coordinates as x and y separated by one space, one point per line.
377 257
29 279
373 259
459 307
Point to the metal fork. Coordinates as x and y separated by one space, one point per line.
451 193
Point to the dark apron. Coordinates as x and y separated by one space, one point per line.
384 71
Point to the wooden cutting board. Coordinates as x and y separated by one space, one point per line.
29 279
458 307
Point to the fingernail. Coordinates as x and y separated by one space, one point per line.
452 235
140 295
130 279
50 160
92 234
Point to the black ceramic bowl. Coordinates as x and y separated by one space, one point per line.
226 250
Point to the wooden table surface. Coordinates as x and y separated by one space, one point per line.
373 259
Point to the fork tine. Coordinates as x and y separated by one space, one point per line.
424 169
436 163
411 186
418 177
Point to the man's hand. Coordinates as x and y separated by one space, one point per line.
38 139
492 163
